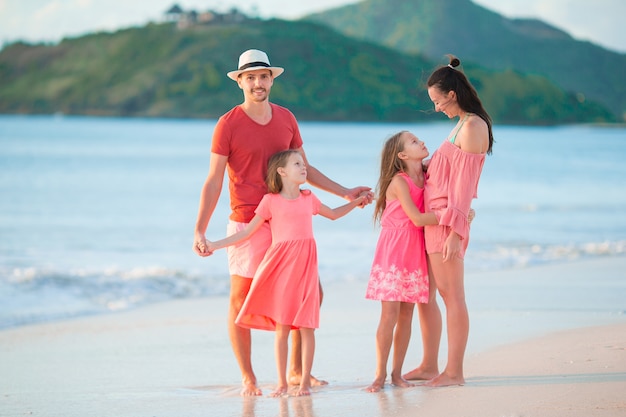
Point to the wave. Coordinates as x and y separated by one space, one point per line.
524 255
34 295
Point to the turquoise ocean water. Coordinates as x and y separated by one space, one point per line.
97 215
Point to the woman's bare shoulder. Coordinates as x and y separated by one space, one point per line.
474 137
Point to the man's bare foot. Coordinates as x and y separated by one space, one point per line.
377 385
400 382
279 391
250 390
314 382
443 380
419 374
303 391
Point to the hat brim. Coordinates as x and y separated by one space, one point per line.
276 71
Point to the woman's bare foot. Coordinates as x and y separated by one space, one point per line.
279 391
421 374
377 385
400 382
303 391
444 380
314 382
250 390
317 382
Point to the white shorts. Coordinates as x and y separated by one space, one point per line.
245 257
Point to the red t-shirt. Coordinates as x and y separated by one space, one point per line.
248 146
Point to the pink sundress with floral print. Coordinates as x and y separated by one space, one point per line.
399 270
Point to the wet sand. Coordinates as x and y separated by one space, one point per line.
527 356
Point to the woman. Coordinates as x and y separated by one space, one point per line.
451 184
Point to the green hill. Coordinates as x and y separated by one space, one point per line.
160 71
438 27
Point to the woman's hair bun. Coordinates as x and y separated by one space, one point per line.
454 61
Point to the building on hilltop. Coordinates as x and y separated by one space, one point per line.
186 19
174 13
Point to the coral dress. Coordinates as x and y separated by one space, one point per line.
451 185
285 288
399 270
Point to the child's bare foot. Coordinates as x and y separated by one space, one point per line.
280 391
377 385
421 374
400 382
314 382
444 380
250 390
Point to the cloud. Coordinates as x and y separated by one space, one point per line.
50 20
47 12
599 21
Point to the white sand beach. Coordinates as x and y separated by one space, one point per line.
544 341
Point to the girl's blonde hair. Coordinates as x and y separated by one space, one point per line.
273 179
390 165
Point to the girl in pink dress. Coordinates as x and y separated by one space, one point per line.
399 276
285 289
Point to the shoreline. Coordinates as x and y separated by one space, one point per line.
529 354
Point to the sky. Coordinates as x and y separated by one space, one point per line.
599 21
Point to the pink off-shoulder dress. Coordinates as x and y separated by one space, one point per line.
451 185
399 270
285 288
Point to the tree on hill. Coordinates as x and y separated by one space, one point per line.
438 27
161 71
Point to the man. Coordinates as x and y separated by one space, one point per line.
243 140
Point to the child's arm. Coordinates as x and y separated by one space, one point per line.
254 225
334 214
400 189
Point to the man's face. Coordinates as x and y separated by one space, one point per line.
256 85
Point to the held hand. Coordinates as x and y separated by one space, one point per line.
211 247
361 191
472 214
366 197
200 246
451 247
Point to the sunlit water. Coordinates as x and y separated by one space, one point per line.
97 215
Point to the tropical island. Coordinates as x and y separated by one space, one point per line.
176 68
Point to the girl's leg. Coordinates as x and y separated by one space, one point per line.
401 338
295 362
281 347
430 326
384 337
308 351
449 277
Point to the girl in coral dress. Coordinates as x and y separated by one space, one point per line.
399 275
285 290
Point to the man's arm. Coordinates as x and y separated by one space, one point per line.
317 179
209 196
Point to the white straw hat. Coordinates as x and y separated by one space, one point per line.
251 60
